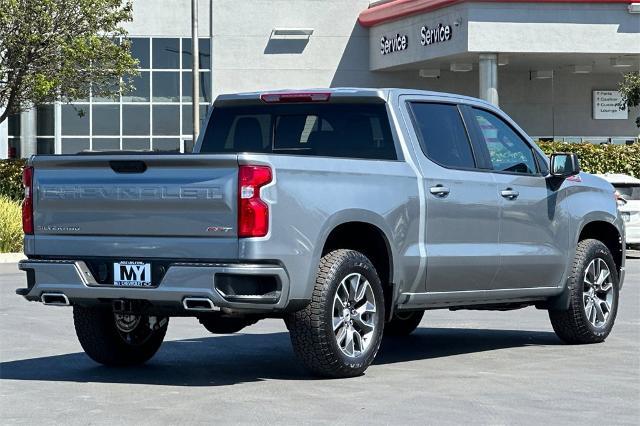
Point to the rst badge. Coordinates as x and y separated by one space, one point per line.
132 274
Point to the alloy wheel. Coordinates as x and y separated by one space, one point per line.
598 292
354 315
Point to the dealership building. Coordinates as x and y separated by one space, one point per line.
554 65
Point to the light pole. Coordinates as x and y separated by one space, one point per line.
195 65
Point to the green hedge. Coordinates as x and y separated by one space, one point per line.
11 179
606 158
10 226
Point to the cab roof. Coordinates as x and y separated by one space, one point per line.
340 94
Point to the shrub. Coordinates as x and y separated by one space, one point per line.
10 226
601 158
11 179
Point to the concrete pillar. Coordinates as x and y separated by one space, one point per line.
28 133
488 73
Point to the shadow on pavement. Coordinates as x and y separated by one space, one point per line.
225 360
428 343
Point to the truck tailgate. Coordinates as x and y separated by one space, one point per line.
136 195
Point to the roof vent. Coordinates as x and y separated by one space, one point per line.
431 73
461 67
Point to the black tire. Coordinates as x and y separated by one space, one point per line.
217 324
311 330
403 323
106 344
572 325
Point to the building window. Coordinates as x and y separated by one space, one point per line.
135 120
187 118
75 120
106 144
45 146
142 88
166 86
135 144
155 115
204 48
165 53
74 145
205 87
140 50
166 144
45 120
106 120
166 120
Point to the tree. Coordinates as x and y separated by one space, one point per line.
61 49
630 91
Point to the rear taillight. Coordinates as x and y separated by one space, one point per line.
253 212
27 203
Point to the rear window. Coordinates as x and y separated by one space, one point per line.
628 191
442 135
328 130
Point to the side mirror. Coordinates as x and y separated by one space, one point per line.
564 164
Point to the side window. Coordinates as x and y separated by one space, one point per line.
507 151
442 135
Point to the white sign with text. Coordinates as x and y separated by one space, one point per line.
606 105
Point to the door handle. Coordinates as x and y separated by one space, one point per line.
509 194
439 191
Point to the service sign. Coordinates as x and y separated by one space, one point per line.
606 105
398 43
439 34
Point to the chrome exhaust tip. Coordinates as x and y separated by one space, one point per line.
54 299
201 304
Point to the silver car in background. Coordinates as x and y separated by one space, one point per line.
628 198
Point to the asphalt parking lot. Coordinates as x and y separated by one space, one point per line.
459 367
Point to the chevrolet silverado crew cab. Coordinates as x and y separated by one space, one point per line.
346 212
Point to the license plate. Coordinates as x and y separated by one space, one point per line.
132 274
626 216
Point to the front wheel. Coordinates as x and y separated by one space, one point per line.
339 333
118 339
593 296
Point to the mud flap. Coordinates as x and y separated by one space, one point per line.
559 302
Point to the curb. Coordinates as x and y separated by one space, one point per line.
11 257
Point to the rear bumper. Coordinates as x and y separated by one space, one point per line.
74 280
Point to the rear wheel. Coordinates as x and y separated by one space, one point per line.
118 339
593 298
403 323
339 333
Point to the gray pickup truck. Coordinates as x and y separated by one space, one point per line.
346 212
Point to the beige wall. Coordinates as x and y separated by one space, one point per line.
245 58
171 18
338 54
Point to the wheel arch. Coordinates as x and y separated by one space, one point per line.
599 227
368 236
609 235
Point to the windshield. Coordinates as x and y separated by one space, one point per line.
330 130
628 191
